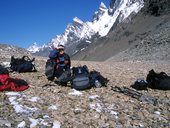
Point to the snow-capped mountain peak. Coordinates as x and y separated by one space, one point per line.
102 7
77 20
33 48
79 33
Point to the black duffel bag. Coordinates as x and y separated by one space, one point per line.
158 80
24 64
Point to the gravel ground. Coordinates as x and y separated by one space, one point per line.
61 106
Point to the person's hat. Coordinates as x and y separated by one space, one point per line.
60 46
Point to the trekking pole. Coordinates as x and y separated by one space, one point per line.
141 97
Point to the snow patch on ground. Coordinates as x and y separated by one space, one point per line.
75 93
16 98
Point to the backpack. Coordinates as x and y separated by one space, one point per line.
23 64
97 80
50 69
81 78
140 84
11 84
53 54
158 80
3 70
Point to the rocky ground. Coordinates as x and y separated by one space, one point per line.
61 106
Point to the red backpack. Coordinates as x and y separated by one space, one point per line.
11 84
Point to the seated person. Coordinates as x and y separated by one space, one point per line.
61 62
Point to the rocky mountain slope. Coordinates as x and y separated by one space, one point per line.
6 51
149 28
155 46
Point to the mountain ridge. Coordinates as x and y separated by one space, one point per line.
83 32
123 38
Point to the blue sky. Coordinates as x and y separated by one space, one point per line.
23 22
